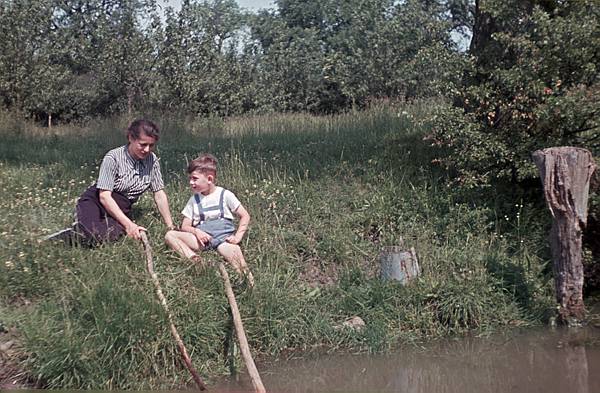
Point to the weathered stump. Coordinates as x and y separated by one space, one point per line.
398 264
566 173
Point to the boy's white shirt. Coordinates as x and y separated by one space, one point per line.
230 204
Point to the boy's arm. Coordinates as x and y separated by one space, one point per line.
202 236
186 225
244 217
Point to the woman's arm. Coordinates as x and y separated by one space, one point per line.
107 201
162 203
244 217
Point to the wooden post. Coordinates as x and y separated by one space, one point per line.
566 173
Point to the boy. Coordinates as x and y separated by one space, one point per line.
208 219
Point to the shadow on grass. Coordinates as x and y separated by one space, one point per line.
511 277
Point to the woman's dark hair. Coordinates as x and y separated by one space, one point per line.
142 125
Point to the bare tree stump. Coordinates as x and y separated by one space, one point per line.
398 264
566 173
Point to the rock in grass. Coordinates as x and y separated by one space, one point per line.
354 323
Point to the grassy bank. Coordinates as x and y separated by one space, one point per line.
325 195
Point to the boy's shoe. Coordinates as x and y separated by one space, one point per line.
243 282
249 278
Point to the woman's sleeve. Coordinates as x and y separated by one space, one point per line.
107 174
156 180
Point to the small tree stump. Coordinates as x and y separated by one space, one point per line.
566 173
398 264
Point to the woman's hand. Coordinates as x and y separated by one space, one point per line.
133 231
203 237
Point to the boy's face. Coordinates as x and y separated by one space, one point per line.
200 182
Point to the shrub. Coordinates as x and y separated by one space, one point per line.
541 90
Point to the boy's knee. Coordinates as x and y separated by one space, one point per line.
170 236
229 250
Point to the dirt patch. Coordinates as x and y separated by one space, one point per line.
316 274
11 374
13 378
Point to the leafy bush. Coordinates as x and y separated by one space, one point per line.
541 89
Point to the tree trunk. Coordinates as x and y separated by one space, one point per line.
566 173
129 104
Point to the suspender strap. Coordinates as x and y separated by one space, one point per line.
201 218
201 209
221 203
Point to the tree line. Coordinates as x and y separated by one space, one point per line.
73 59
529 78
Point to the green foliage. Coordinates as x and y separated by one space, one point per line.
199 69
532 85
71 60
340 54
291 68
29 76
391 49
64 61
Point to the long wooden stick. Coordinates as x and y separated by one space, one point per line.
241 335
163 301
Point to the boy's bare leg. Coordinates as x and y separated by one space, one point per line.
184 243
233 254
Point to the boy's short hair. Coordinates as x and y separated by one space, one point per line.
205 164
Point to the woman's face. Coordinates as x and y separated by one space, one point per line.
141 147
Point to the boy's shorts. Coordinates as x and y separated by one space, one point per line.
219 230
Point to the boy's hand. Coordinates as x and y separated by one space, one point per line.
203 237
233 239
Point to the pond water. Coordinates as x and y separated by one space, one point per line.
532 361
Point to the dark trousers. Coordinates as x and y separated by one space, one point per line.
94 224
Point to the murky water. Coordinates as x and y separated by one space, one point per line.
545 361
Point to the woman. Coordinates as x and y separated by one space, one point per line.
103 210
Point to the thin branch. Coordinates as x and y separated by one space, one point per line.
241 335
163 301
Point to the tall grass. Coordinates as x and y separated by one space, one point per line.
325 195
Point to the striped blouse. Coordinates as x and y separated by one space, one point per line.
121 173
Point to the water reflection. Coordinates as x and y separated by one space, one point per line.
535 361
